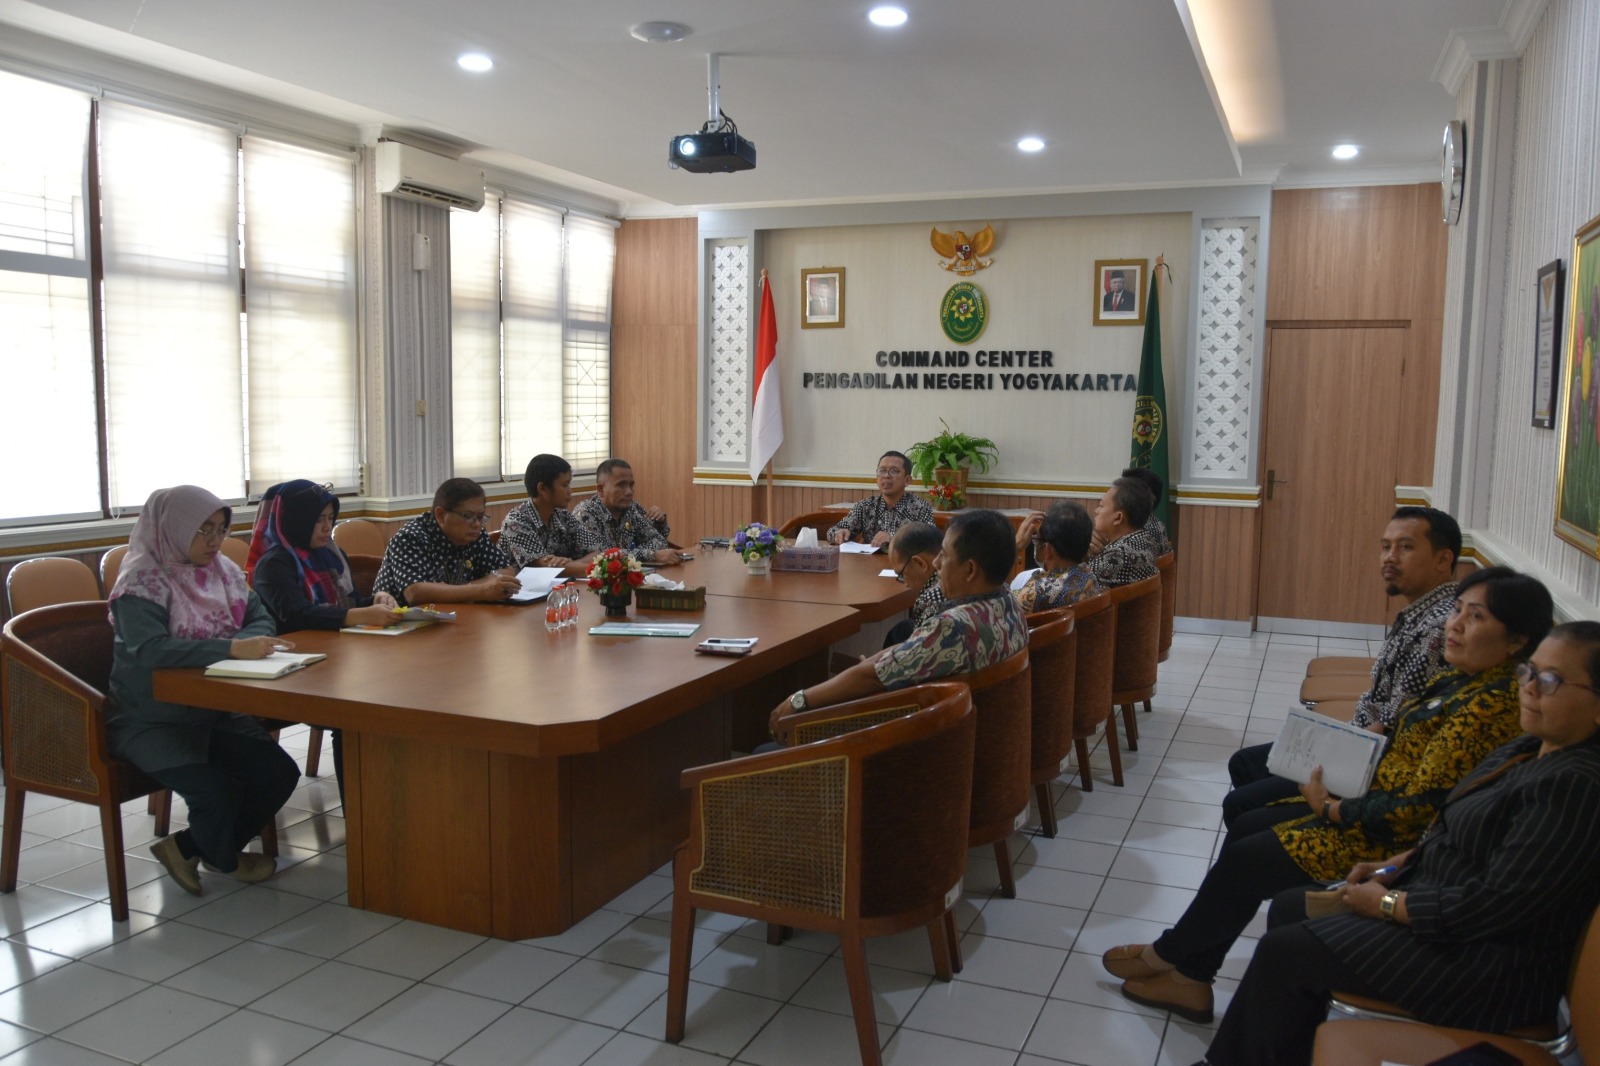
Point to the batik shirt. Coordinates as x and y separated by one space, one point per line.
631 531
528 539
1413 653
929 602
873 515
1127 559
965 637
422 552
1047 590
1160 541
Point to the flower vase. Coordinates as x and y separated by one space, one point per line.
758 566
616 603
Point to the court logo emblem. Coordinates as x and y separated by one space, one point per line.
964 312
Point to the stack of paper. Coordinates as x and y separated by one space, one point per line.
1347 754
536 583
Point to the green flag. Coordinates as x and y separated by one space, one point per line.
1150 409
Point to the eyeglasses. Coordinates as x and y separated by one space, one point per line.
209 533
1549 681
473 518
889 471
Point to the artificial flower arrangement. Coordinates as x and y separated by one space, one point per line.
614 571
756 541
947 496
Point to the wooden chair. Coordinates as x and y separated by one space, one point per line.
48 580
110 567
1333 687
357 536
822 835
363 572
1138 649
1053 656
1378 1032
1095 626
821 521
1340 664
236 549
1167 570
56 670
1002 769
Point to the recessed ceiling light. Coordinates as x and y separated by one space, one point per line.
660 32
476 62
888 16
1031 144
1346 151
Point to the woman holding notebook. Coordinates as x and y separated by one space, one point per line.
179 602
1467 711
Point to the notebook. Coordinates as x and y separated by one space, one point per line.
273 666
1347 754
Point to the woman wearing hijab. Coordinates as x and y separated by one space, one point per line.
178 602
303 577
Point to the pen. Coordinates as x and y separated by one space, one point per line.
1382 871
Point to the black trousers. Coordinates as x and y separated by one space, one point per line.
1274 1015
1251 867
242 784
1254 786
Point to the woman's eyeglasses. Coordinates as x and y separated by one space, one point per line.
210 533
1549 681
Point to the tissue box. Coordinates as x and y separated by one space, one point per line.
823 559
671 599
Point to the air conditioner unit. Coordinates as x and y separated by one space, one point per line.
413 174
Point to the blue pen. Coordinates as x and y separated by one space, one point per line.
1382 871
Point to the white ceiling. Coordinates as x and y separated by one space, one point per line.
839 110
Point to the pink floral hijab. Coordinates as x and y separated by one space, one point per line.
202 602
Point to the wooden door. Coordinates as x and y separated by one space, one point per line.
1334 403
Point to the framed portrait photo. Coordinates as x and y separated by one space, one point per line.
1547 296
1578 474
822 298
1119 291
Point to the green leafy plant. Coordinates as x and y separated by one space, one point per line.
951 451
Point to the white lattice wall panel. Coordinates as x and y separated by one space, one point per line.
1224 385
728 378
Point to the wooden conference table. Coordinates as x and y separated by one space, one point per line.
508 781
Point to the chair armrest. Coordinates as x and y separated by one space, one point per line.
805 727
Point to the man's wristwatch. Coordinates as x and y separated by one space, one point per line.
1327 806
798 700
1387 904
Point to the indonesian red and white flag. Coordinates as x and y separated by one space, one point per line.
766 415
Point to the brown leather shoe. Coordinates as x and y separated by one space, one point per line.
251 869
1127 961
1165 992
184 871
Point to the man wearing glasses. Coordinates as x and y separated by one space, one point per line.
874 520
615 520
914 558
445 555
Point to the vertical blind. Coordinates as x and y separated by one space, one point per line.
475 341
586 379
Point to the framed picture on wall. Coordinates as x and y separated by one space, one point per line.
1119 291
1578 474
1546 343
822 298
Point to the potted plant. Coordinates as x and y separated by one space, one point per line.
947 458
756 544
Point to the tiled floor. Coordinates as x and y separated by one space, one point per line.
285 972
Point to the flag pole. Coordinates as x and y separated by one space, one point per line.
766 471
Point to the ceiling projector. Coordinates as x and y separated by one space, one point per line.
717 152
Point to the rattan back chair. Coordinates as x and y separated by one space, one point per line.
1138 649
1002 768
1167 570
1095 622
236 549
357 536
56 670
860 833
1053 660
110 567
51 579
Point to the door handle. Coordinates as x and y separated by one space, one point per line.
1272 480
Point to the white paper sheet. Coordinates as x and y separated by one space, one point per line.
536 583
850 547
1347 754
1022 578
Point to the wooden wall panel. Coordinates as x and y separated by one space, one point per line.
653 364
1343 254
1217 563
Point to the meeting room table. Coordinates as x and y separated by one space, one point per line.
507 780
857 583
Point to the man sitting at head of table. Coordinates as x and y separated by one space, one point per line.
542 532
978 626
1128 550
913 556
445 555
874 519
612 516
1417 560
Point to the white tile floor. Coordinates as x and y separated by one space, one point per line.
285 972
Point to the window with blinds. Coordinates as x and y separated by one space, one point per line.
227 322
531 336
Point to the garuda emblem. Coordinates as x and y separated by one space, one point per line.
963 250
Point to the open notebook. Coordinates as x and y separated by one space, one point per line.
275 665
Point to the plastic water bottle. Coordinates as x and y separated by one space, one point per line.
569 604
552 609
